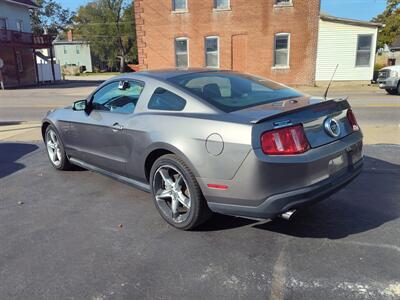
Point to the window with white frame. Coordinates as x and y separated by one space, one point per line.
212 51
283 2
364 48
222 4
281 51
182 52
3 23
20 25
179 5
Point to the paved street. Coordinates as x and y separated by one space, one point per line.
64 242
60 236
377 112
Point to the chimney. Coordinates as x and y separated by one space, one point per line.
69 36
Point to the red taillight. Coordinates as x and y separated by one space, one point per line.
285 141
217 186
352 119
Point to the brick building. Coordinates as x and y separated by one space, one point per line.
271 38
18 44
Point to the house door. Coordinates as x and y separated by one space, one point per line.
239 52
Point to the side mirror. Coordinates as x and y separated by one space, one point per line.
79 105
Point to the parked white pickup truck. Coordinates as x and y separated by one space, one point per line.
389 78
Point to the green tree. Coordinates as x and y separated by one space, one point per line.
391 18
109 26
50 17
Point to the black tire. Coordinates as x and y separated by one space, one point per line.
199 211
62 162
392 92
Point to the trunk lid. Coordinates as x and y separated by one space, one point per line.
319 118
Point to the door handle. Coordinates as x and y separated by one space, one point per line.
117 127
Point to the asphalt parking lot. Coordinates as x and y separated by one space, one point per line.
60 236
65 242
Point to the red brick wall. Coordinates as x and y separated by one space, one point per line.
28 75
157 27
10 71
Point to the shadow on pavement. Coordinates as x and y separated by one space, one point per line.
9 123
62 84
71 84
222 222
10 153
367 203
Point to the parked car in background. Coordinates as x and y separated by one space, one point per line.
205 141
389 78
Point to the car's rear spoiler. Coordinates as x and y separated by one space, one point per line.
334 104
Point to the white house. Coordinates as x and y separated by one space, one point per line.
351 44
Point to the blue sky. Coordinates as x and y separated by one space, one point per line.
353 9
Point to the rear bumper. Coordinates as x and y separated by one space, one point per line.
281 203
265 186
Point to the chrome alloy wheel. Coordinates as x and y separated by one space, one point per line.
53 147
172 194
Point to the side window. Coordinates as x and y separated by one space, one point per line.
364 50
20 25
222 4
212 51
283 2
3 23
166 100
179 5
182 52
118 97
281 51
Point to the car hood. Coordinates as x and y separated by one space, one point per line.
395 68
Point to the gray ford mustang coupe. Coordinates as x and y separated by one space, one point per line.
205 141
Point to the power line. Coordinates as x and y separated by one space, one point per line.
94 23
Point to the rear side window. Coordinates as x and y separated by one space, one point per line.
166 100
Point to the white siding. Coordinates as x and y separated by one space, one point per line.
46 74
337 44
14 12
83 58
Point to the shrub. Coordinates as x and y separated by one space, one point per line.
379 66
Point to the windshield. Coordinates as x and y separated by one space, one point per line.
233 91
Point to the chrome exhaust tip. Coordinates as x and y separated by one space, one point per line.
288 215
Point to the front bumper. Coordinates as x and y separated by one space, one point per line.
388 84
281 203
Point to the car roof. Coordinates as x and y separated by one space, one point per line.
165 74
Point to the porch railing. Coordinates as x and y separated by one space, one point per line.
25 38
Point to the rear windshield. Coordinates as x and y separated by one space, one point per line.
233 91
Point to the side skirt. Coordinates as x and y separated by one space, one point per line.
137 184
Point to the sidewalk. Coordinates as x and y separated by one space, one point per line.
26 131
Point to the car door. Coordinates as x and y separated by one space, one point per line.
98 137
